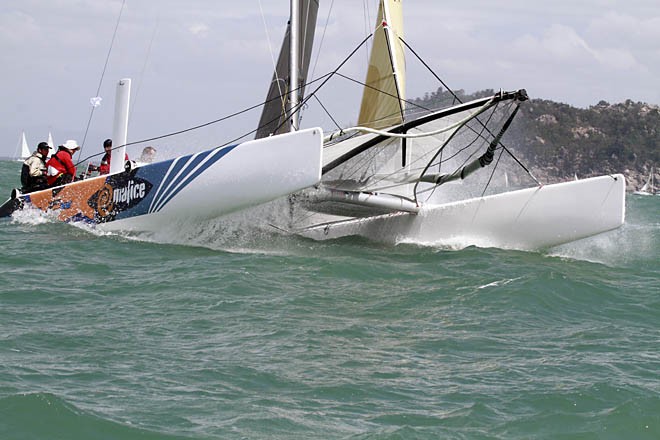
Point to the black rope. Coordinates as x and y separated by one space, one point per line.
206 124
492 173
431 70
327 112
382 91
396 83
459 100
328 77
105 66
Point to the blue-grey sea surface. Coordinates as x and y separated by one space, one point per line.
223 333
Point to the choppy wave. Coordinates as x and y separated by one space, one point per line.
237 331
45 416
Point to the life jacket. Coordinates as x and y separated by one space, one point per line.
31 183
25 176
104 168
57 167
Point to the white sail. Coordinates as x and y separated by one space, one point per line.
24 148
648 188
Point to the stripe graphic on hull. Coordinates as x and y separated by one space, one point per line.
184 170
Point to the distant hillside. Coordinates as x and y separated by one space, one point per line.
559 141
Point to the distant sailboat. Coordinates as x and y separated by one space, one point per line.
23 146
648 189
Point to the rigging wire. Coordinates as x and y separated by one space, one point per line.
459 100
390 52
429 164
327 78
206 124
424 134
383 92
105 66
366 14
492 172
318 57
327 112
144 68
272 56
325 28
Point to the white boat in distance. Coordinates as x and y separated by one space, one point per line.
648 189
404 173
23 147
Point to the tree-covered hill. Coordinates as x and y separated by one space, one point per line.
560 141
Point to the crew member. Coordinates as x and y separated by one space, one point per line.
148 155
33 174
61 169
104 168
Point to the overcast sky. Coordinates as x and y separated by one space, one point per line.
197 60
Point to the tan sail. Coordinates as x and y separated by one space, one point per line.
384 93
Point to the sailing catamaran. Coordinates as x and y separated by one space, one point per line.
403 173
194 187
648 189
407 175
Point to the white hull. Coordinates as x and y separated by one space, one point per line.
191 188
533 218
253 173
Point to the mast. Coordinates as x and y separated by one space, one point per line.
293 66
120 125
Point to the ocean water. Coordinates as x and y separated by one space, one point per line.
227 333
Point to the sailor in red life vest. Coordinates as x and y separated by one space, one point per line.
104 168
60 166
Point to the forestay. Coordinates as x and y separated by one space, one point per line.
383 99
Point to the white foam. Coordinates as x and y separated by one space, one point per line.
614 248
30 215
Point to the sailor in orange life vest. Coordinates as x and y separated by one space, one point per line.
60 166
104 168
